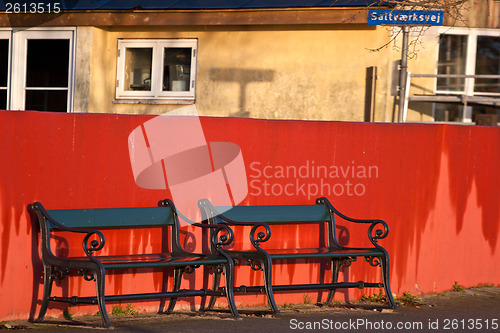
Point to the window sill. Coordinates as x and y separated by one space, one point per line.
154 101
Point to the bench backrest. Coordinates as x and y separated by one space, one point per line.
280 214
113 217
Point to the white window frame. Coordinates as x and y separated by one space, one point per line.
158 46
7 34
19 44
470 64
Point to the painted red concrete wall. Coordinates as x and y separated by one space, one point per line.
436 186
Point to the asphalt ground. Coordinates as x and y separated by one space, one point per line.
471 310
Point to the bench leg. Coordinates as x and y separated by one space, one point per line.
229 280
384 264
268 279
335 278
177 285
99 281
48 279
215 286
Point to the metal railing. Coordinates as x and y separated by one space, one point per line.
465 96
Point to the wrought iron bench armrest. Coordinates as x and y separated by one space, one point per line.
88 247
373 234
222 235
256 238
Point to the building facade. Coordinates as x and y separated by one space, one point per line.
455 69
277 60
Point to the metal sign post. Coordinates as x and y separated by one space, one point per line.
404 19
403 73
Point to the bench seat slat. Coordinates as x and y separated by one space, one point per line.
113 217
153 260
320 252
277 214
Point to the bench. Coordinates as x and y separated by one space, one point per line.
265 251
92 224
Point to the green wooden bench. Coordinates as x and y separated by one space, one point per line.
91 223
269 249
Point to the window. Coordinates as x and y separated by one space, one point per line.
156 69
467 52
4 68
452 57
487 62
36 69
47 75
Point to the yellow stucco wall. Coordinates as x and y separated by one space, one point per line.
287 72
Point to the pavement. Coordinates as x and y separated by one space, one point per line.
469 310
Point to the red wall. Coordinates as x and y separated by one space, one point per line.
436 185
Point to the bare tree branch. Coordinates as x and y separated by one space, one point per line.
454 10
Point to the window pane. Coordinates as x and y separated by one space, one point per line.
452 58
176 69
486 114
138 63
488 62
47 63
448 112
3 99
46 100
4 62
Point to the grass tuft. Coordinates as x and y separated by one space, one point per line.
129 310
307 299
378 298
458 288
67 315
408 299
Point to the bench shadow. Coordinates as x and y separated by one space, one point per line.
69 323
38 275
36 263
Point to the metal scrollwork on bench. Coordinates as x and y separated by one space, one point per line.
375 234
61 273
373 261
261 236
87 275
190 269
94 245
256 265
222 236
348 261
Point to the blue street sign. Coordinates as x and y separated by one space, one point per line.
405 17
